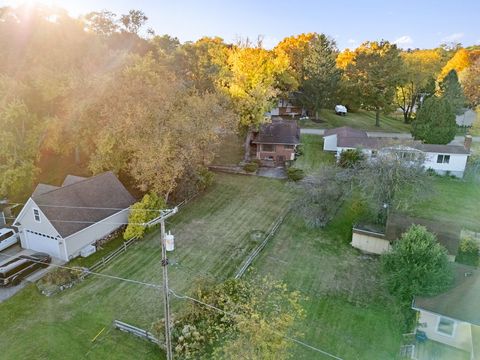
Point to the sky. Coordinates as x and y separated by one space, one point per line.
410 24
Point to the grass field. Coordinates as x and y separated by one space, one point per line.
313 155
213 236
348 312
360 120
452 200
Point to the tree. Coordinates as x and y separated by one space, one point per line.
251 322
435 122
250 82
419 71
417 266
452 92
349 158
320 74
394 180
295 48
321 194
458 62
141 213
133 21
373 76
470 80
102 22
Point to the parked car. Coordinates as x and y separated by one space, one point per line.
14 271
8 237
340 110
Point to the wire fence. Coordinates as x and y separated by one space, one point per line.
249 260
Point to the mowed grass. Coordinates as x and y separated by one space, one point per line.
213 236
359 120
348 312
453 200
313 156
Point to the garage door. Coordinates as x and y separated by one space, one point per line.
43 243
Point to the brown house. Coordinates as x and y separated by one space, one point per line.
275 142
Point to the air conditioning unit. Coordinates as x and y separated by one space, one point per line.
88 250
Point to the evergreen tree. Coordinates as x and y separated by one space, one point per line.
452 92
320 74
435 122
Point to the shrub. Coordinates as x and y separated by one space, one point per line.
62 276
349 158
205 179
250 167
299 150
257 161
295 174
468 253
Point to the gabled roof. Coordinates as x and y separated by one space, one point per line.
72 179
278 132
346 131
461 302
80 204
43 188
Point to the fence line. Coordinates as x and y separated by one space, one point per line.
109 257
120 325
262 245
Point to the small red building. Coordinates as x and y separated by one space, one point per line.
275 142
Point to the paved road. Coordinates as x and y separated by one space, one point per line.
457 141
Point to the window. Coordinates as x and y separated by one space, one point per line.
446 326
443 159
289 147
36 215
268 147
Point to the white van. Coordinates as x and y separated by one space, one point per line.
8 237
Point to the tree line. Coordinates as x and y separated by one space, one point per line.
154 109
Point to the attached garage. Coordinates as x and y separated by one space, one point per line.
42 243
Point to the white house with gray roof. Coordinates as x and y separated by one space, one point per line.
62 220
443 159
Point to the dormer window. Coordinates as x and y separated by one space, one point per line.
36 215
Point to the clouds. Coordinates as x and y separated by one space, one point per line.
455 37
403 41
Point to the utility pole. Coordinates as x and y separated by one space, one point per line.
165 214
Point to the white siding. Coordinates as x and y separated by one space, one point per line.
462 335
456 165
26 221
330 142
91 234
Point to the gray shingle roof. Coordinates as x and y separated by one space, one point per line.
72 204
447 233
43 188
278 132
461 302
346 131
443 149
72 179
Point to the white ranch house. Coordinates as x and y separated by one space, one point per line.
61 221
442 159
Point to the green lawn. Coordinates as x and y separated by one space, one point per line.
213 236
313 155
348 312
452 200
360 120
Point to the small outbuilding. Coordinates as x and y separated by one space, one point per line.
377 240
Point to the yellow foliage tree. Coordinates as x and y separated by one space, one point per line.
459 62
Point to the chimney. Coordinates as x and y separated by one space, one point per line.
468 142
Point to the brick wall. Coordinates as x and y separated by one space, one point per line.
278 151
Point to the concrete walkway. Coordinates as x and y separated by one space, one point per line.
457 141
274 173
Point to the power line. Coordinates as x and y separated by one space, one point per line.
213 307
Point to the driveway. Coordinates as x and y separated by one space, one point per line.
7 255
457 141
274 173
